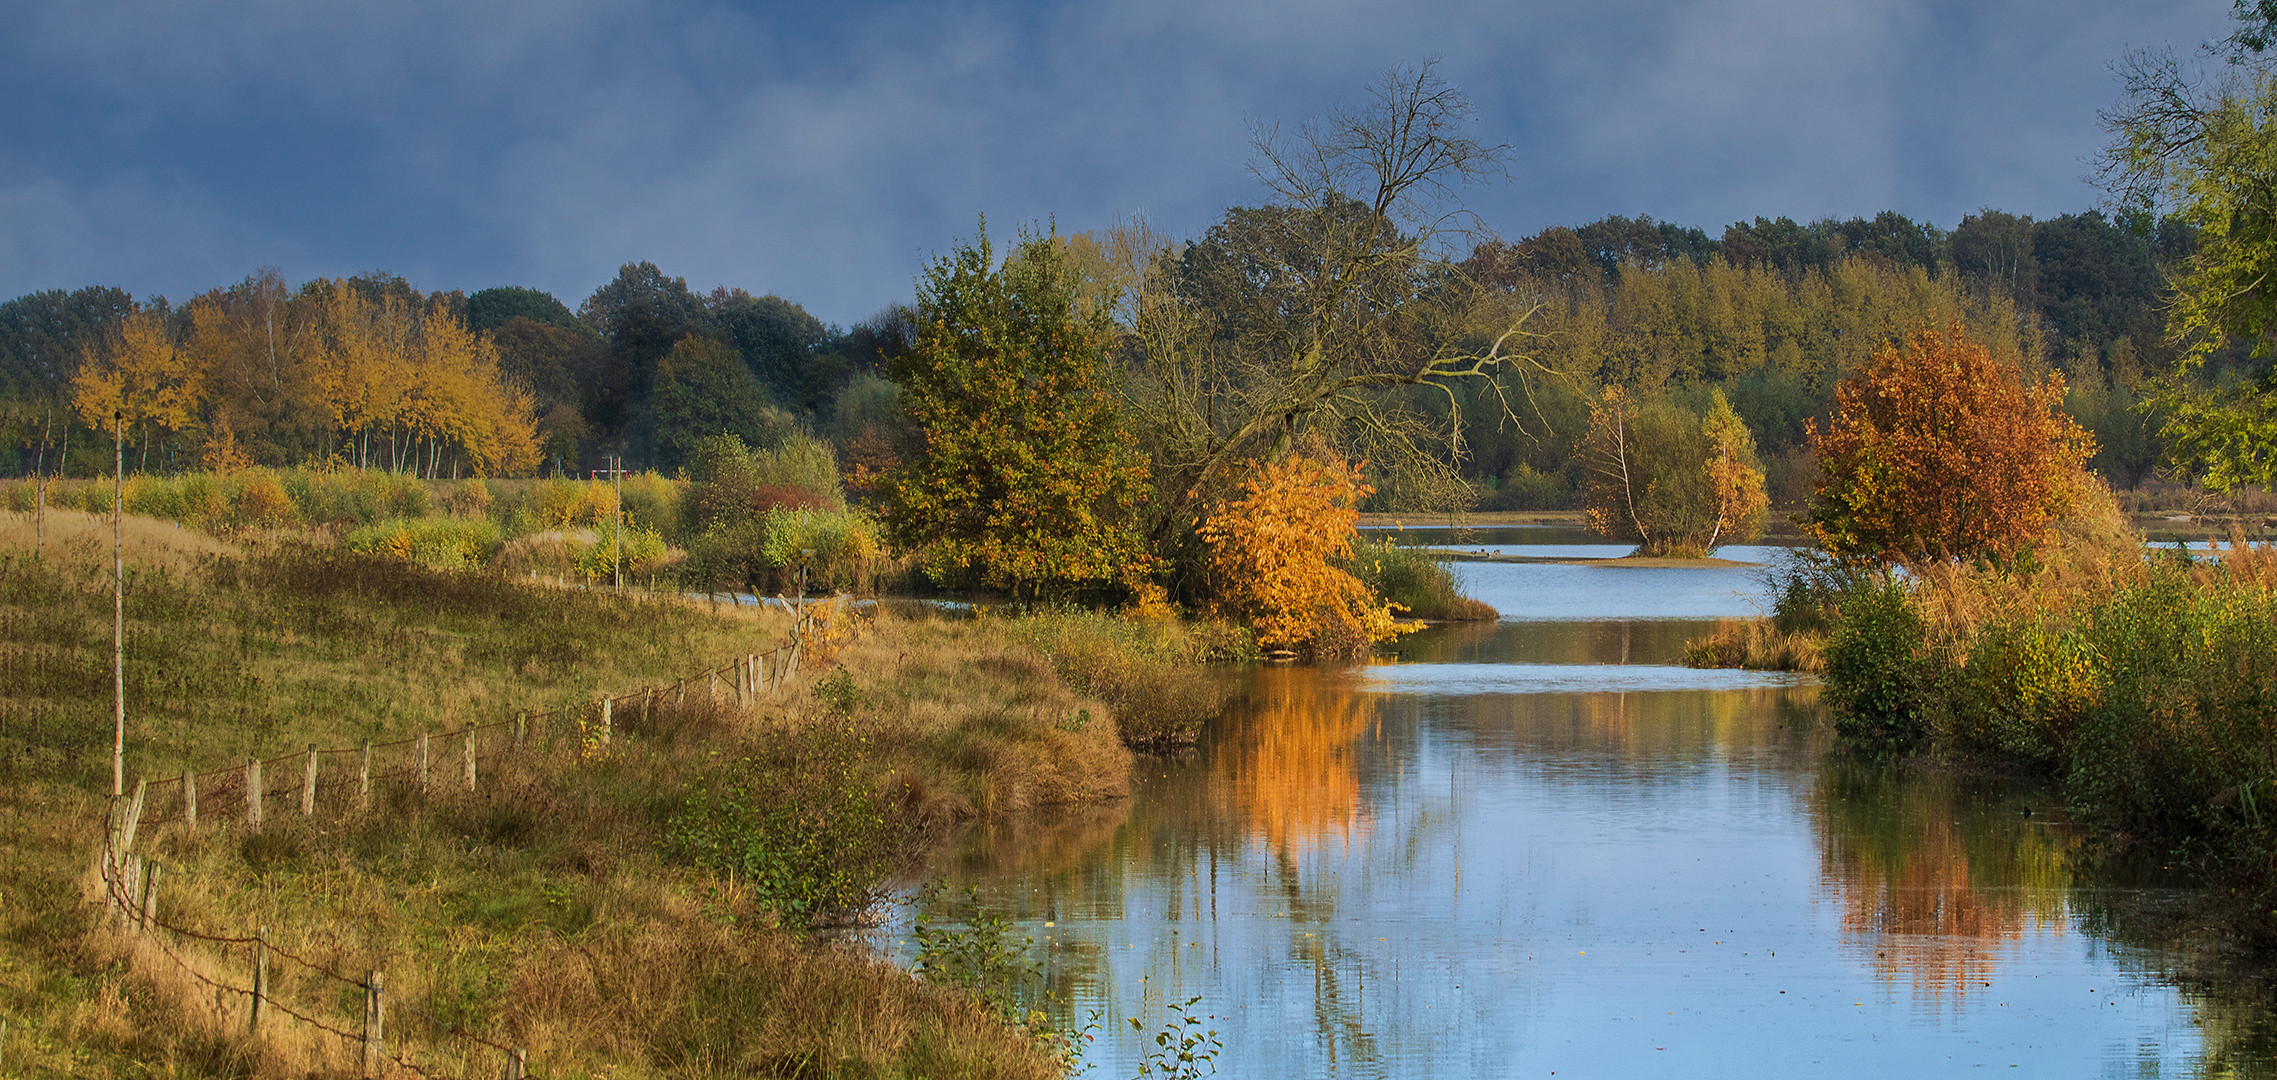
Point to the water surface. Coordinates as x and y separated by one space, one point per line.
1541 847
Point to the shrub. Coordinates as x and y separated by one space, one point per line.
1676 483
797 819
1270 551
1877 673
435 543
1421 585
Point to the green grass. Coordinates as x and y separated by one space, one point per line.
547 908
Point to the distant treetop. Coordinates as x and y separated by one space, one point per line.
491 308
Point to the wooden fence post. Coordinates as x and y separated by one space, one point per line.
132 823
260 978
608 718
422 763
679 691
308 786
647 698
751 674
364 783
253 794
469 739
375 1041
150 895
517 1064
189 797
521 728
712 685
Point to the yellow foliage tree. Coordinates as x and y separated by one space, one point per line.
140 376
1270 547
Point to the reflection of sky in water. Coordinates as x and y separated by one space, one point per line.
1558 678
1454 867
1558 591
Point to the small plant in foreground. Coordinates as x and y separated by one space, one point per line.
1183 1049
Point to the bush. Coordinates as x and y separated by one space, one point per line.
797 819
1420 584
435 543
1877 672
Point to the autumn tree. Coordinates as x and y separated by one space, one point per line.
1320 311
1677 483
142 377
1937 451
1271 545
1025 479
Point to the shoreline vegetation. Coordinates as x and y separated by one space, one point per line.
572 905
2135 678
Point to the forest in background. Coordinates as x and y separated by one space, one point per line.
1771 312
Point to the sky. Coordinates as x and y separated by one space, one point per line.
826 152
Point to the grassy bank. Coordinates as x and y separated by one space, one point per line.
2140 681
634 909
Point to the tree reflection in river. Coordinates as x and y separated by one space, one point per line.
1290 771
1935 877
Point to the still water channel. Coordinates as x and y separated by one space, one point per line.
1542 847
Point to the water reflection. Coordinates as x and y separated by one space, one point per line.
1937 877
1411 869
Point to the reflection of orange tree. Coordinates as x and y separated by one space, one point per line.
1935 882
1292 772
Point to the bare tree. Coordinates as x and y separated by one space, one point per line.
1330 309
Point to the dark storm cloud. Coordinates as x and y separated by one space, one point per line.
821 154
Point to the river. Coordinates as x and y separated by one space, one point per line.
1541 847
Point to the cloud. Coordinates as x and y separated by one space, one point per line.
821 152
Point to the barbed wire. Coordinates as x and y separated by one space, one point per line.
112 868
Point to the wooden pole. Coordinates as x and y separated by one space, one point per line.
422 763
375 1042
521 728
118 603
132 822
608 719
260 977
308 786
150 895
364 782
253 793
517 1064
190 797
468 738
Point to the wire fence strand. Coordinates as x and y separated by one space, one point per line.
113 867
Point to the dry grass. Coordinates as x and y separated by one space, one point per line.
75 536
1757 645
538 911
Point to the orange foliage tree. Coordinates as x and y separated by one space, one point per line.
1270 547
1936 451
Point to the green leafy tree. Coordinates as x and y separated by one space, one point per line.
1676 482
1025 479
703 389
492 308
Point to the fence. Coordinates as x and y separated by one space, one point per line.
245 792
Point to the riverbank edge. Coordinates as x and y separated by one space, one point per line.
107 1015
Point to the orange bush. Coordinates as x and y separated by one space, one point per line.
1937 451
1270 548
